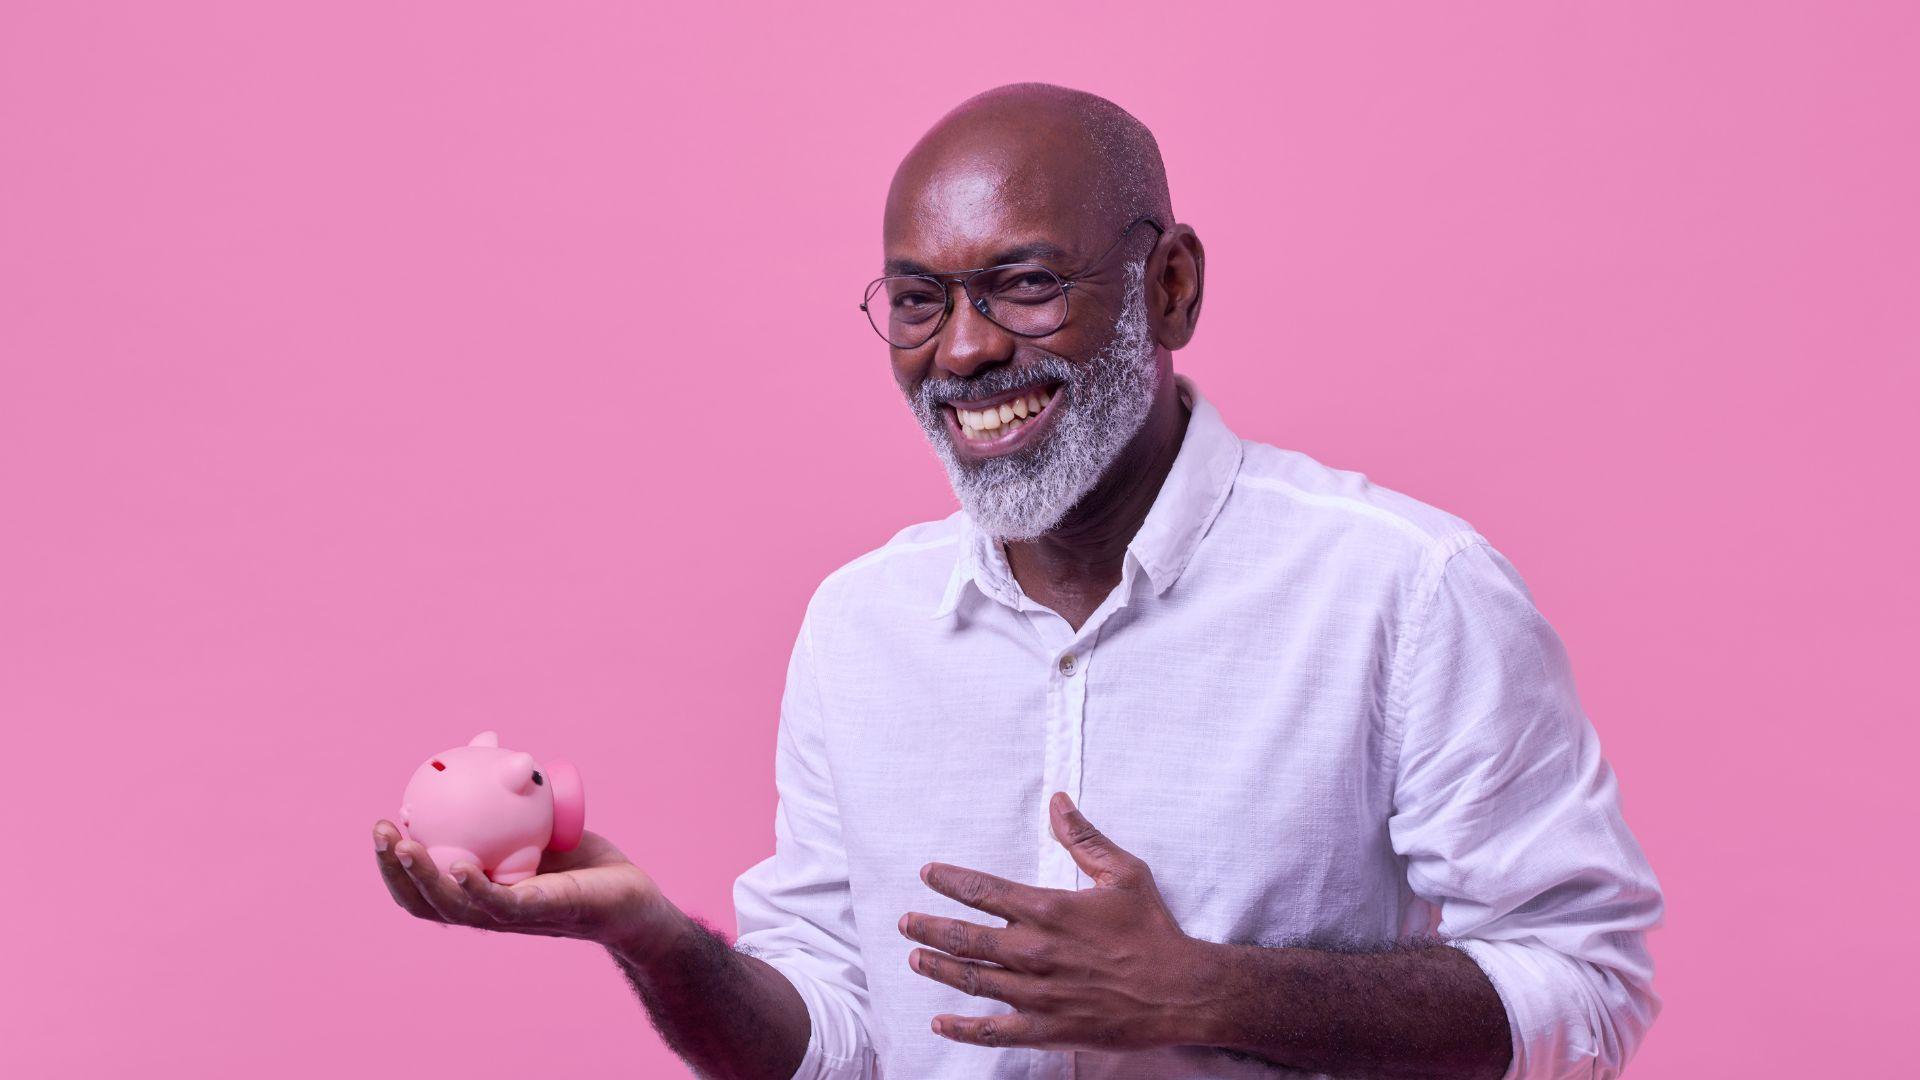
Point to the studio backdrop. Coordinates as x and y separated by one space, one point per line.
375 374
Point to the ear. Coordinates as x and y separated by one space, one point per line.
1174 295
485 738
516 773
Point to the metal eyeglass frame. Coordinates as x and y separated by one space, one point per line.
965 277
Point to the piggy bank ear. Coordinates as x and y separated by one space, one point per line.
517 772
569 805
485 738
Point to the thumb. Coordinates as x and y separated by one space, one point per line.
1103 860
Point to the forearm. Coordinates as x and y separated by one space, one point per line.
729 1015
1424 1010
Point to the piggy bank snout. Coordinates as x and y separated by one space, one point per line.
569 806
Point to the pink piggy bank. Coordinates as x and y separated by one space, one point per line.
498 809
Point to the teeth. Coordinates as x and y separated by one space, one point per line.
983 423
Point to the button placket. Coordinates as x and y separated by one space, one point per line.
1066 714
1061 770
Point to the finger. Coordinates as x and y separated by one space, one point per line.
960 938
519 907
1103 860
449 901
1011 1029
977 889
972 977
399 885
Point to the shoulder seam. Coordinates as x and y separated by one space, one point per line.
888 551
1348 503
1433 565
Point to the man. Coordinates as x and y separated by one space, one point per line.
1351 819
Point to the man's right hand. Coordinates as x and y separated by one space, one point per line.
592 893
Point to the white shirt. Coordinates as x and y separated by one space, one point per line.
1320 710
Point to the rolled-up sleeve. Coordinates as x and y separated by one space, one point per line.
1510 821
793 907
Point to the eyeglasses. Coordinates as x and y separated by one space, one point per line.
1026 298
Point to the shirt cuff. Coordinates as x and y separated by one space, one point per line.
837 1045
1549 1042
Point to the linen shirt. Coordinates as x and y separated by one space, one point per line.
1323 713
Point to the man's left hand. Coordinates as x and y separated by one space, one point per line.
1105 968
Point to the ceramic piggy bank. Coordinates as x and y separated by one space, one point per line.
498 809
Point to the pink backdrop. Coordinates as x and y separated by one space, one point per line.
377 373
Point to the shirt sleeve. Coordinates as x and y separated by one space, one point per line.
1510 821
793 907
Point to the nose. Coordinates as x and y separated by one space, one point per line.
970 341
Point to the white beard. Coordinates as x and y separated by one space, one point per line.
1098 408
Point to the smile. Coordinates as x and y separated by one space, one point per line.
1000 424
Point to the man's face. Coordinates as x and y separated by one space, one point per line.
1093 379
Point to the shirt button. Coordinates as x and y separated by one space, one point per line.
1066 664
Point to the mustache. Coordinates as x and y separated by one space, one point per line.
1049 369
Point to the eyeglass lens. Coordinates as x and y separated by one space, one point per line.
1025 298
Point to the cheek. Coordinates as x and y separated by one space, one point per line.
1080 341
909 371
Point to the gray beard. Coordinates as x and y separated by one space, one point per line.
1098 408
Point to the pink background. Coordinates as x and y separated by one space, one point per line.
373 374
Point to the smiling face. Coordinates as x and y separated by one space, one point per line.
1025 426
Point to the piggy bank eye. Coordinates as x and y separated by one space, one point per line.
438 767
537 778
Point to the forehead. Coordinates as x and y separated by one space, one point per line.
988 201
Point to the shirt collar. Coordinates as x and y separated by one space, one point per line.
1182 511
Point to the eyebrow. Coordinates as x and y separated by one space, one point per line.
1031 252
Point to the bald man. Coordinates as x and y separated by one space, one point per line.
1168 753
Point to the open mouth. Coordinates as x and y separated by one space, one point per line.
1001 422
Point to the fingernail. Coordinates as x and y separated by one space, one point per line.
406 860
460 875
380 842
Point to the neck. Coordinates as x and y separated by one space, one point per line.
1082 555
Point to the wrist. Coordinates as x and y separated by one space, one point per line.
655 934
1212 989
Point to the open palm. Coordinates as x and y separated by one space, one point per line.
592 892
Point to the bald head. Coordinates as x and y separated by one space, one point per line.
1083 160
